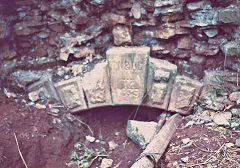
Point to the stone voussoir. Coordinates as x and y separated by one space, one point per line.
71 94
160 79
184 94
96 86
128 73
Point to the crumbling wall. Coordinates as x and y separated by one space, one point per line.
195 35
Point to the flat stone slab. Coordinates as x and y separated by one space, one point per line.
141 132
96 86
71 94
128 73
184 94
160 79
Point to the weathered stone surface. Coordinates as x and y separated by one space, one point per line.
164 31
211 32
220 80
141 132
237 143
24 78
203 48
106 163
198 5
6 52
160 79
96 86
235 96
83 52
171 10
113 19
71 94
4 32
204 17
160 3
136 10
44 89
184 94
185 42
128 73
159 143
121 35
196 59
231 48
231 14
222 118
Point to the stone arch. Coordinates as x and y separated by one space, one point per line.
128 76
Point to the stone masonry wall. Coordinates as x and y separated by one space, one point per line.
46 42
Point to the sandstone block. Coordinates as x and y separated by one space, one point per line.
121 35
160 79
231 14
128 73
141 132
71 94
96 86
44 89
185 92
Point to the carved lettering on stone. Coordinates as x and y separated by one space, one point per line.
71 94
128 73
161 75
185 92
96 86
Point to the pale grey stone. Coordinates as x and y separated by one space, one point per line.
128 73
231 48
184 94
205 17
136 10
24 78
222 118
211 32
40 106
235 96
106 163
230 14
71 94
121 35
237 143
160 3
90 138
33 96
160 79
96 86
198 5
141 132
185 159
213 79
112 145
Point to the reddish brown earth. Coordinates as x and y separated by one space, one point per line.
49 145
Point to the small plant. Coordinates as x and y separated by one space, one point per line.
84 157
216 91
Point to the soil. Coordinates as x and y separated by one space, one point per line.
48 141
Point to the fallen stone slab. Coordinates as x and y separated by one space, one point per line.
141 132
159 144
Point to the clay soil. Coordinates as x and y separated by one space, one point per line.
47 141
